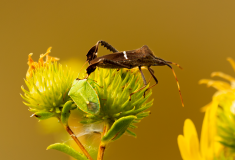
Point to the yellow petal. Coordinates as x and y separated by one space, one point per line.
204 136
194 148
209 131
191 138
219 85
189 130
32 66
40 61
231 62
222 75
204 108
30 60
51 59
183 147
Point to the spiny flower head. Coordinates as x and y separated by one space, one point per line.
113 88
48 85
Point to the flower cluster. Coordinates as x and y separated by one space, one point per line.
218 129
115 98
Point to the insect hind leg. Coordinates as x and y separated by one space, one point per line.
92 67
108 46
93 52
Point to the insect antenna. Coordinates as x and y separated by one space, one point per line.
82 68
177 84
174 64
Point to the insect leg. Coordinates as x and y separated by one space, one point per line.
114 63
152 73
145 83
142 75
151 70
92 67
92 53
108 46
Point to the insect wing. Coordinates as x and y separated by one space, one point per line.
84 96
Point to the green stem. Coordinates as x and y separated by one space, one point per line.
68 129
103 145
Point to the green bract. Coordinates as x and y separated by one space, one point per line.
48 89
226 120
116 109
68 150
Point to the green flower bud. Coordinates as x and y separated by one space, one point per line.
113 88
48 85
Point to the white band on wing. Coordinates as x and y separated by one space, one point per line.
124 52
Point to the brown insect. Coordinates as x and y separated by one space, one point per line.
128 59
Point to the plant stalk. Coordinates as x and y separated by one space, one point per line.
101 151
68 129
102 145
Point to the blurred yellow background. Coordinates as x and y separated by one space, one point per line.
197 34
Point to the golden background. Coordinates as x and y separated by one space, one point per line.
197 34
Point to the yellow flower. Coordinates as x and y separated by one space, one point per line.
189 146
222 87
213 128
210 146
189 143
224 106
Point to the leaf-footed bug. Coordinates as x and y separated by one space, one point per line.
128 59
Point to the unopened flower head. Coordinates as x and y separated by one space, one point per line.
48 84
113 88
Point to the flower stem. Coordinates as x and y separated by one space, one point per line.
101 151
102 145
68 129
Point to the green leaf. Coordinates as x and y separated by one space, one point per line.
66 112
68 150
84 96
128 112
131 133
43 115
118 128
142 115
133 126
